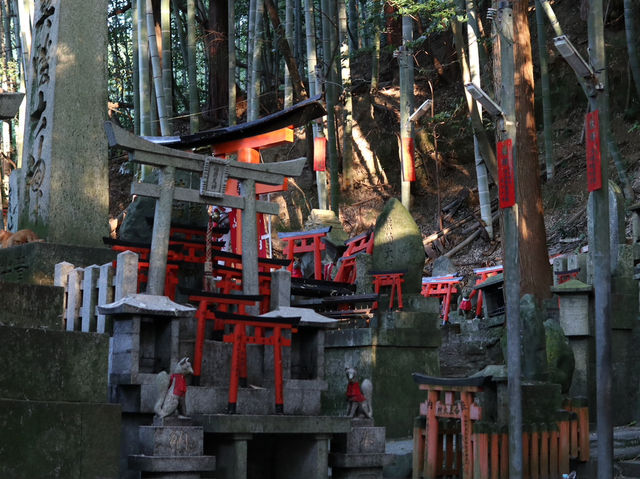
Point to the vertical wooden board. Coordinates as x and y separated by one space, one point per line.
106 294
90 298
74 299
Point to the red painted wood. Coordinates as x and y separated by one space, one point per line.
506 174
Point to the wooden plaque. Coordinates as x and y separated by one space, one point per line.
214 177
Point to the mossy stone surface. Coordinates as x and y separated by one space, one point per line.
44 365
398 245
62 440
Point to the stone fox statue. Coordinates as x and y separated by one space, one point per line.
358 396
172 390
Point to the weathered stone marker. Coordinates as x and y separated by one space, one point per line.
63 183
215 173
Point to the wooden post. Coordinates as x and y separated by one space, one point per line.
511 251
429 468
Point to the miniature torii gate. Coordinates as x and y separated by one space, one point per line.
214 174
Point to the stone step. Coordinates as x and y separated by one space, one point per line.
77 440
45 365
31 306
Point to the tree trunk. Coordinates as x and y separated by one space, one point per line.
547 114
167 64
486 147
328 41
217 43
194 100
256 65
157 71
288 29
405 59
484 195
315 87
630 29
347 139
299 92
231 44
375 60
354 38
250 44
143 72
534 256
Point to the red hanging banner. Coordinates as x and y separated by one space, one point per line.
319 153
594 167
408 159
506 176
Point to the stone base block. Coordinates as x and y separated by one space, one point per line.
59 439
31 306
43 365
178 467
171 440
339 460
360 440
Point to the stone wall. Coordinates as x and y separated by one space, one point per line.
396 345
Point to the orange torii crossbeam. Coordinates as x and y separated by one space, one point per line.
306 242
239 338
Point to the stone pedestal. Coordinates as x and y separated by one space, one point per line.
360 452
64 178
172 449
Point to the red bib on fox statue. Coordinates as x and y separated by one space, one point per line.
354 393
179 385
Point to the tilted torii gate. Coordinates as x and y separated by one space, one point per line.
214 173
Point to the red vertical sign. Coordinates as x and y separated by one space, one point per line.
319 153
594 168
506 175
408 159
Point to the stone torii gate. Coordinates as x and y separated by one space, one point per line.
214 174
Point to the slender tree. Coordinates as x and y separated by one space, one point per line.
547 114
217 42
347 139
375 60
315 87
405 59
299 91
194 101
256 65
328 42
632 49
231 44
156 71
474 71
167 64
143 73
288 28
